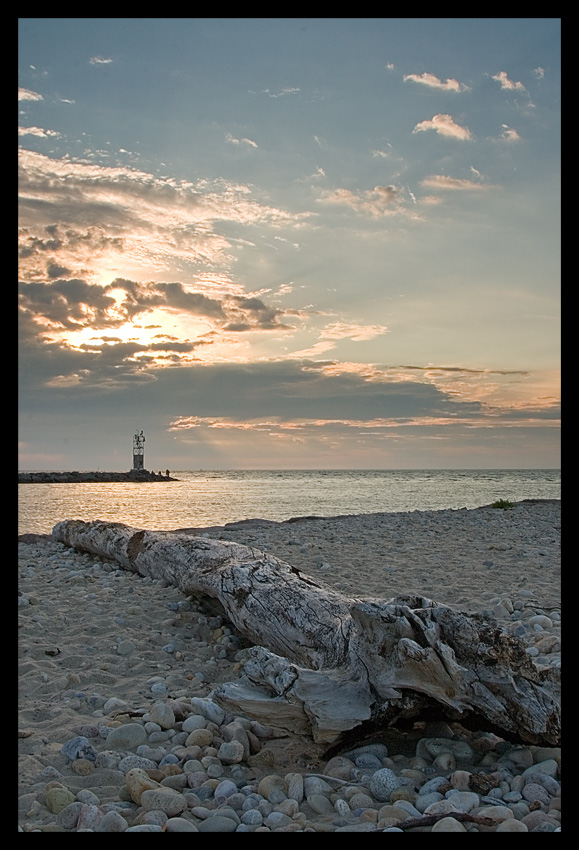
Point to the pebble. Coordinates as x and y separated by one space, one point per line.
97 778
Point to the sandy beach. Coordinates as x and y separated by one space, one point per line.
98 645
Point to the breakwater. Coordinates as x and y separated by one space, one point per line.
131 477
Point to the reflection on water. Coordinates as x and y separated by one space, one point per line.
214 498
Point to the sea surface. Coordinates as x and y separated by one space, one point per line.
205 498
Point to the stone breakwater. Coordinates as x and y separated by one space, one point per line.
133 476
118 730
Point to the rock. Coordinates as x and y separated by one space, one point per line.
112 822
180 825
165 799
230 752
79 747
218 823
138 781
448 824
129 736
383 783
57 798
162 714
433 747
512 825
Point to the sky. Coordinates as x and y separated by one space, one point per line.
276 243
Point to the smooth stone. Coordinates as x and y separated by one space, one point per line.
171 802
383 783
138 781
126 647
541 620
434 747
180 825
269 783
522 757
225 789
317 785
194 721
68 816
549 767
145 827
112 822
82 767
295 786
89 817
209 709
231 752
361 801
407 807
512 825
533 819
445 762
433 785
423 801
339 767
368 760
365 826
460 780
442 807
218 823
253 817
320 804
534 792
199 738
58 798
79 747
126 737
448 824
495 813
114 704
551 785
275 820
162 714
464 800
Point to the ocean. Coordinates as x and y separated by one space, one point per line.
204 498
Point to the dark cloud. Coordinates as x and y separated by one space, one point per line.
68 303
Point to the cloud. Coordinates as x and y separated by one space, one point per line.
100 60
235 141
441 181
36 131
26 94
123 218
281 93
507 84
539 73
379 201
444 124
433 82
508 134
343 330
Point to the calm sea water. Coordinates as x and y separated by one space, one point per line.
204 498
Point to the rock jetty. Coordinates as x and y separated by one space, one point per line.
133 476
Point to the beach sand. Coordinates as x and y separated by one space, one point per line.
90 631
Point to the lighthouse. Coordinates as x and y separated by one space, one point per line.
139 451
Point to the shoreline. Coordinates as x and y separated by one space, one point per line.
104 649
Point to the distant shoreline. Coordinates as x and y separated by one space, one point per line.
134 476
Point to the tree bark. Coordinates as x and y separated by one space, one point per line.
323 664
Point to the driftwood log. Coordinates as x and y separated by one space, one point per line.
322 664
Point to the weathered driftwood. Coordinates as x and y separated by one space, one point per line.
323 664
